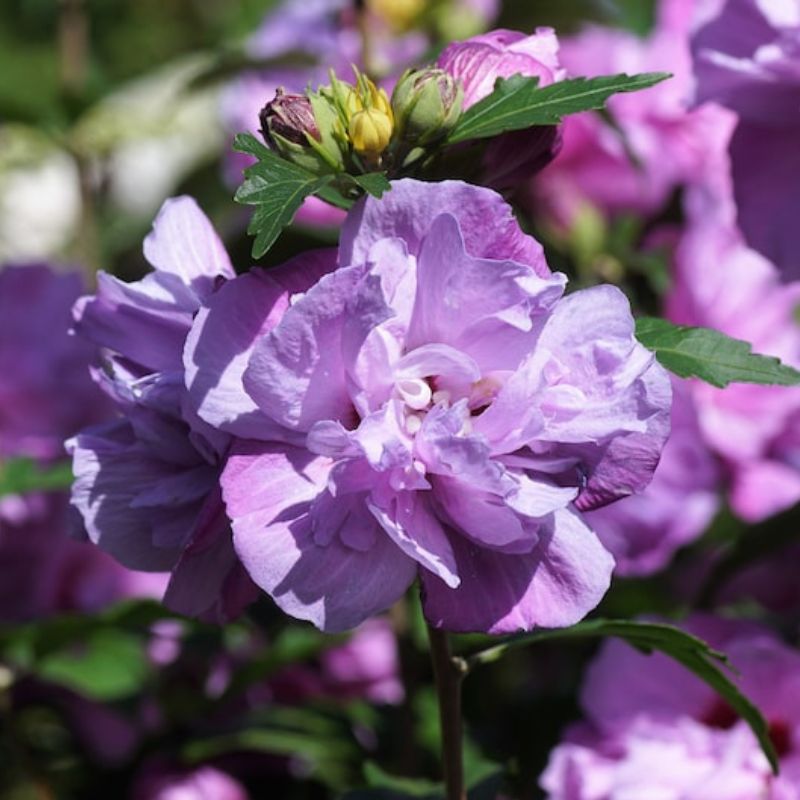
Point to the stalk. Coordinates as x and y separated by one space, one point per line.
448 673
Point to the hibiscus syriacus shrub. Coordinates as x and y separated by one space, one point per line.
523 372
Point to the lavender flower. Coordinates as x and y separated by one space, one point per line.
444 410
146 484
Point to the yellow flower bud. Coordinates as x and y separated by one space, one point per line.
370 131
400 14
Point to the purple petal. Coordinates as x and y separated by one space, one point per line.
766 174
146 322
183 242
484 517
555 585
763 488
111 472
417 532
224 334
407 212
267 492
482 307
208 581
296 375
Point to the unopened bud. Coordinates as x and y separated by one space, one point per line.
427 104
370 131
296 126
290 117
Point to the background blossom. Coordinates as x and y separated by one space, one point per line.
654 729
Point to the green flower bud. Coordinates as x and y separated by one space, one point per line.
426 104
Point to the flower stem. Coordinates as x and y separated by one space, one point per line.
362 22
449 672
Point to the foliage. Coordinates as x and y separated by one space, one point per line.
710 355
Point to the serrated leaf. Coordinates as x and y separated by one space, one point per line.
248 144
518 102
710 355
23 475
276 188
695 654
376 183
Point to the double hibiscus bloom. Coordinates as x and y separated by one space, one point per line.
423 401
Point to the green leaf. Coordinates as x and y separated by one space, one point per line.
321 741
686 649
22 475
518 102
276 188
376 183
377 778
710 355
331 194
109 665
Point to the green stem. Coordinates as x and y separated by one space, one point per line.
449 672
366 40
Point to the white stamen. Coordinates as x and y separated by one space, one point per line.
441 396
413 424
415 392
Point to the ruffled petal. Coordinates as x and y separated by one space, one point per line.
111 473
296 374
485 219
417 532
268 492
555 585
484 307
183 242
224 334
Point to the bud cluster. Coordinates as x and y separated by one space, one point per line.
345 127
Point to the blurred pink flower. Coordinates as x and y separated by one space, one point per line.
656 145
654 730
365 666
747 57
720 283
202 783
